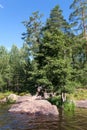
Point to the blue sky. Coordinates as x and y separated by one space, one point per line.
13 12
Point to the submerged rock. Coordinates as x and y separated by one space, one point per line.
32 106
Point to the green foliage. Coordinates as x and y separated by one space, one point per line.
51 57
55 101
79 94
71 86
10 101
24 93
78 17
17 63
12 69
57 21
5 94
53 61
32 34
69 106
57 64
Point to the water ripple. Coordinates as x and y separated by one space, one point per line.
75 121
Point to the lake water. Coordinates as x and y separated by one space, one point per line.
68 121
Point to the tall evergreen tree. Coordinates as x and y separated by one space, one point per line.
79 61
54 62
32 34
4 68
26 67
78 17
57 21
17 69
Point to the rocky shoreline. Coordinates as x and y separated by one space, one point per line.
81 103
33 105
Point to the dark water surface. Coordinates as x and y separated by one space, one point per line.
74 121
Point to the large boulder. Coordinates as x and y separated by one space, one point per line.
32 106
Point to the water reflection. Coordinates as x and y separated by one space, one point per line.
24 122
75 121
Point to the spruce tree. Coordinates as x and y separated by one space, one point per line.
4 68
54 62
57 21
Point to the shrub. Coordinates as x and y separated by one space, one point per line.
55 100
69 106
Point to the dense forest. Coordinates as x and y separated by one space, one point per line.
53 56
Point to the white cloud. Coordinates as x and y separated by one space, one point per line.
1 6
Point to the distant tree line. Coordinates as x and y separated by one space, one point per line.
53 56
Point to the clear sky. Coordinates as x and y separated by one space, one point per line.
13 12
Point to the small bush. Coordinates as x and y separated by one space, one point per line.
10 101
24 93
55 100
5 94
69 106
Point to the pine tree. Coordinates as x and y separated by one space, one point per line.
78 17
32 34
